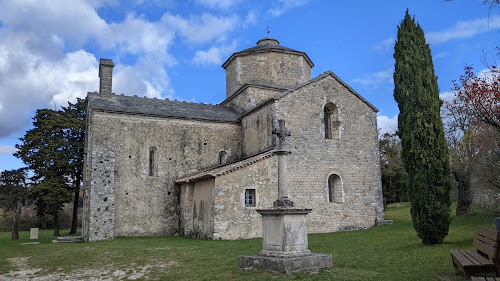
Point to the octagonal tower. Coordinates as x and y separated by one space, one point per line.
267 64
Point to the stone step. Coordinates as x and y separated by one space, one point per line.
68 239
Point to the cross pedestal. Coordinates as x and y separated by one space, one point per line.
284 232
284 243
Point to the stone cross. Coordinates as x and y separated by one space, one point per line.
281 133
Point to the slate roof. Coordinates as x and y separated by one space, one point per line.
225 169
266 48
162 108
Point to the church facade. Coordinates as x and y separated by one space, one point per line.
162 167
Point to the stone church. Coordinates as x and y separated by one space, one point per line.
163 167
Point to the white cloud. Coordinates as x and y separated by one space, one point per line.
386 124
218 4
376 79
440 55
42 64
7 149
43 61
446 96
32 81
144 79
385 45
137 36
214 55
285 6
74 20
201 29
464 29
251 18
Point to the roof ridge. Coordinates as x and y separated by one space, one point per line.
321 76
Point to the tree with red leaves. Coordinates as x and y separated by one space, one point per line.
479 95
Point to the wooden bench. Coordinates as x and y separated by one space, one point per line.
485 260
485 279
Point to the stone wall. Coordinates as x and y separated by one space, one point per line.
353 157
232 220
197 208
148 205
249 97
233 80
257 131
273 68
98 179
99 203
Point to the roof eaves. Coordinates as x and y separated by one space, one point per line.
289 51
225 169
166 116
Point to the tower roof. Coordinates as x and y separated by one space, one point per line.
267 45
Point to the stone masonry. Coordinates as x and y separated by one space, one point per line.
162 167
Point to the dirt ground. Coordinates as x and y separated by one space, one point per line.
23 271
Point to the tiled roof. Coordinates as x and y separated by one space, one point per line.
161 108
222 170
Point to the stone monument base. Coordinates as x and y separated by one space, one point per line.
287 264
284 242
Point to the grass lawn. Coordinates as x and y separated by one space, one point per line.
381 253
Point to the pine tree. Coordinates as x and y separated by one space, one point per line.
424 150
14 190
43 151
73 121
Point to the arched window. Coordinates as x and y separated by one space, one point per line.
332 122
335 189
153 161
223 156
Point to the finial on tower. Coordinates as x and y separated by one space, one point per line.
267 31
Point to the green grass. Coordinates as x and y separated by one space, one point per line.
381 253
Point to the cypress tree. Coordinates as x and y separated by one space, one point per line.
424 150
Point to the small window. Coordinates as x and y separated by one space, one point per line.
223 156
152 162
332 122
249 197
335 189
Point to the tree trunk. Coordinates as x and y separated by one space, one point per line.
15 222
74 222
56 223
42 224
462 177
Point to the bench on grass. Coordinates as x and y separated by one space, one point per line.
485 260
485 279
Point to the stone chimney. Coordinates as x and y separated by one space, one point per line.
106 76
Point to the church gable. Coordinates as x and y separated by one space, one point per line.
333 132
323 76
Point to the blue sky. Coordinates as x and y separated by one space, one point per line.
49 49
